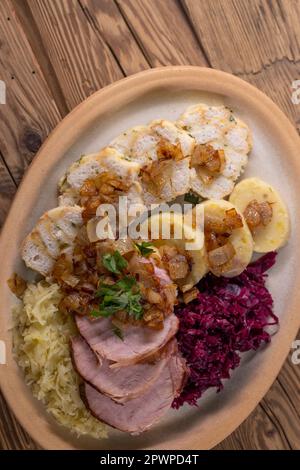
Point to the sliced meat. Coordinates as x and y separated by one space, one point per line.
139 414
122 384
139 343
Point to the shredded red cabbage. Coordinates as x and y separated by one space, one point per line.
228 317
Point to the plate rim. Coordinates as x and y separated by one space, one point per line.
56 144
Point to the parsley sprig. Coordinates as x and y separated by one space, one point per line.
145 248
121 296
115 263
124 295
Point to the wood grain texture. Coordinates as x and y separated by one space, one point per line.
30 112
262 47
107 20
81 59
53 54
7 190
162 31
255 40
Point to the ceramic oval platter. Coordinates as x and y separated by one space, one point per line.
162 93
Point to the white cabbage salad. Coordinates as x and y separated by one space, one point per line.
41 344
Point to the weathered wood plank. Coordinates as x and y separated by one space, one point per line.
12 435
243 37
30 112
276 82
7 190
255 40
82 61
236 38
91 43
258 432
107 20
162 31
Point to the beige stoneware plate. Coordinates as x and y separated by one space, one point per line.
162 93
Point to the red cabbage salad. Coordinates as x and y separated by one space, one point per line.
229 317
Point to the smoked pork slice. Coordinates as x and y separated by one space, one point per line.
138 342
139 414
120 384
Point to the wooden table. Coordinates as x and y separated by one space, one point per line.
55 53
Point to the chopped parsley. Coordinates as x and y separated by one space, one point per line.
114 263
145 248
192 198
124 296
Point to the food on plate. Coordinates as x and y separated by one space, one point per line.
185 266
132 345
228 240
222 144
41 337
220 324
128 324
138 414
120 384
107 171
265 213
53 236
163 151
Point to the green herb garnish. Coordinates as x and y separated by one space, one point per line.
114 263
192 198
145 248
124 295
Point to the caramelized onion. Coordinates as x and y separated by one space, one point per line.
88 189
63 268
222 255
223 224
152 296
211 159
232 220
17 285
257 214
190 295
156 175
178 267
167 151
176 261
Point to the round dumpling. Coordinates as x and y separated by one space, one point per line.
228 240
265 213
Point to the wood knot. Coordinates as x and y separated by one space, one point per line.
32 141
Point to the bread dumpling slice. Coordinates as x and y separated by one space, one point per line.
222 144
53 235
167 174
88 167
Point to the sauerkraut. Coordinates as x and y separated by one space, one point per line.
41 337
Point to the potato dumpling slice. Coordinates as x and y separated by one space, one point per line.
240 238
189 246
274 233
